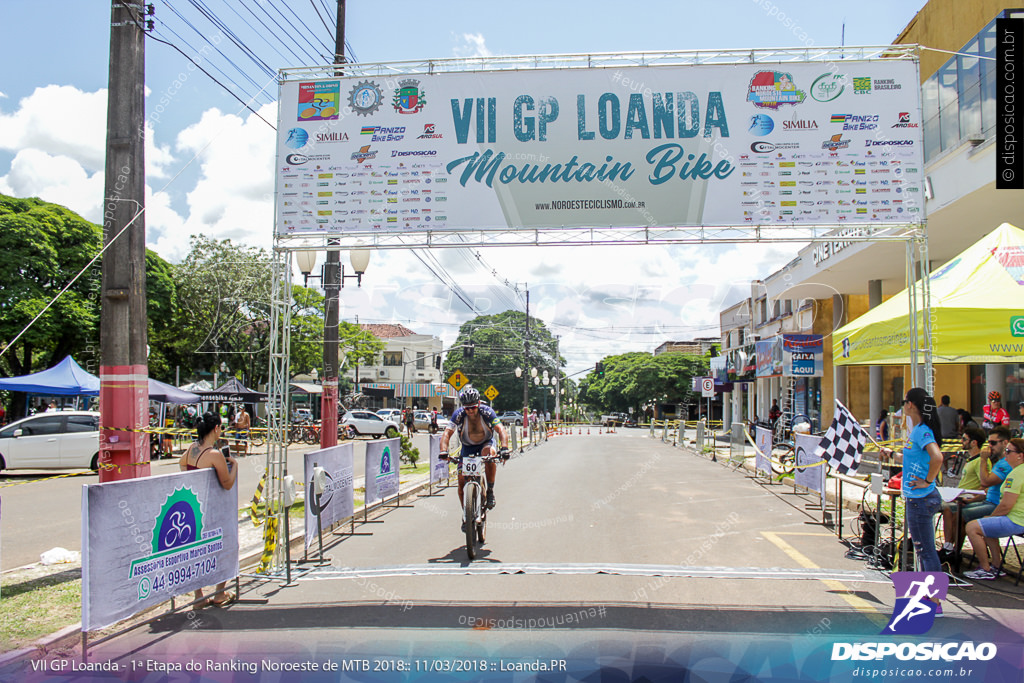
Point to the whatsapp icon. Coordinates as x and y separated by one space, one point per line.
1017 325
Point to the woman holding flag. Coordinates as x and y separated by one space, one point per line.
922 460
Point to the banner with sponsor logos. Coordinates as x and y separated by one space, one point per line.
438 467
145 541
382 461
809 472
793 143
337 502
763 450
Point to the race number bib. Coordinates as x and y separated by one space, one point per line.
471 465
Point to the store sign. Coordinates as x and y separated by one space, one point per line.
803 355
769 357
710 144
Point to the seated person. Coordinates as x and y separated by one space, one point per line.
1006 520
952 512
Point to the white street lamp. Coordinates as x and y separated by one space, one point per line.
519 371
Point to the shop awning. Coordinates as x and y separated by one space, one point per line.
408 390
977 311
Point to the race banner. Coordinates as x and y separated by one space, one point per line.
382 460
763 444
727 144
337 502
438 467
810 470
145 541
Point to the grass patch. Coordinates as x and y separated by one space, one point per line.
38 607
296 511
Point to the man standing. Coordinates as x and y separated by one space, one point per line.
242 424
948 419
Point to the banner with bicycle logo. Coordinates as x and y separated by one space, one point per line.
382 460
145 541
336 500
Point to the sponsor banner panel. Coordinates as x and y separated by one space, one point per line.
762 458
382 460
657 146
438 467
145 541
337 502
813 477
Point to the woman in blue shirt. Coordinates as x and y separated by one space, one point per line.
922 461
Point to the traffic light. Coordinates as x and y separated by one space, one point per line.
437 362
599 370
467 350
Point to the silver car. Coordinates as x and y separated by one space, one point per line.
52 441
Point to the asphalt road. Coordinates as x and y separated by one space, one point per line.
753 565
40 510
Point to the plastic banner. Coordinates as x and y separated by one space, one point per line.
762 458
147 540
438 467
810 471
337 501
382 461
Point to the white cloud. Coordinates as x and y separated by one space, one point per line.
55 178
60 120
471 45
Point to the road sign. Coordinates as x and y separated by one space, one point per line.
707 387
458 380
491 393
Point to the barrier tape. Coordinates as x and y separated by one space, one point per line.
253 515
36 481
269 544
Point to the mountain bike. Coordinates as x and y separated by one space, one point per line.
474 512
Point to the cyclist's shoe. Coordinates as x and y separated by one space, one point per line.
490 500
463 527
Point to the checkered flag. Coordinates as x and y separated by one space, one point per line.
843 442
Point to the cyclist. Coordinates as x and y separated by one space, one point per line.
477 426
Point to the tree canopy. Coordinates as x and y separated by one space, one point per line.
498 351
636 378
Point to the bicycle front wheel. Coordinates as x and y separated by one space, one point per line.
470 509
481 528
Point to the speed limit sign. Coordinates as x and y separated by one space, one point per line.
707 387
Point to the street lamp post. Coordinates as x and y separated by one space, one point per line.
333 282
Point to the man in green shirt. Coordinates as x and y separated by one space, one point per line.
952 521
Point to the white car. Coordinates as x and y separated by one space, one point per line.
393 414
372 424
52 441
421 419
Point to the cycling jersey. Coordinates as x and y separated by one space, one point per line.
488 417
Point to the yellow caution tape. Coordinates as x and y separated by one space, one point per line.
269 544
256 499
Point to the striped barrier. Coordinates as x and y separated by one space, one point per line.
253 514
269 544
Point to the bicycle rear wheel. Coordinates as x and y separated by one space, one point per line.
470 508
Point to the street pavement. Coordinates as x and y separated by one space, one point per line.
606 550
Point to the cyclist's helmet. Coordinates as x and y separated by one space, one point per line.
469 397
995 396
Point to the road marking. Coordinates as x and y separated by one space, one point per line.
855 601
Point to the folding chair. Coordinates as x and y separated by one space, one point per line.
1012 543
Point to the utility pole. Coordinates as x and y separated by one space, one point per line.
526 361
124 372
558 382
332 296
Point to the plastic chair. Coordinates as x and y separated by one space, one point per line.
1012 543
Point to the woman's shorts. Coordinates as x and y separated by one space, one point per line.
999 527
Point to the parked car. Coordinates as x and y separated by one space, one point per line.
302 415
58 440
421 419
393 414
511 417
366 423
614 419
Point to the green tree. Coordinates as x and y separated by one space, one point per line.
498 350
46 246
633 379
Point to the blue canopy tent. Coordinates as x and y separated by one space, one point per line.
66 378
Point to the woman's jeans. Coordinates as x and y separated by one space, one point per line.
921 525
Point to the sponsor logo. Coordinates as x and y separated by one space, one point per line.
319 101
797 125
408 98
904 121
365 98
331 137
1017 325
759 147
429 133
856 121
363 154
384 133
861 85
414 153
828 86
772 89
888 143
835 143
887 84
761 124
297 138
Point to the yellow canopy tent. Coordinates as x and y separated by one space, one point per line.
977 311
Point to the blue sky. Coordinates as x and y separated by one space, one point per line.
53 101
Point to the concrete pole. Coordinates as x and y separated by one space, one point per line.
124 372
839 373
875 389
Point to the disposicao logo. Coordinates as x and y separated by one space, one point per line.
914 612
1017 325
